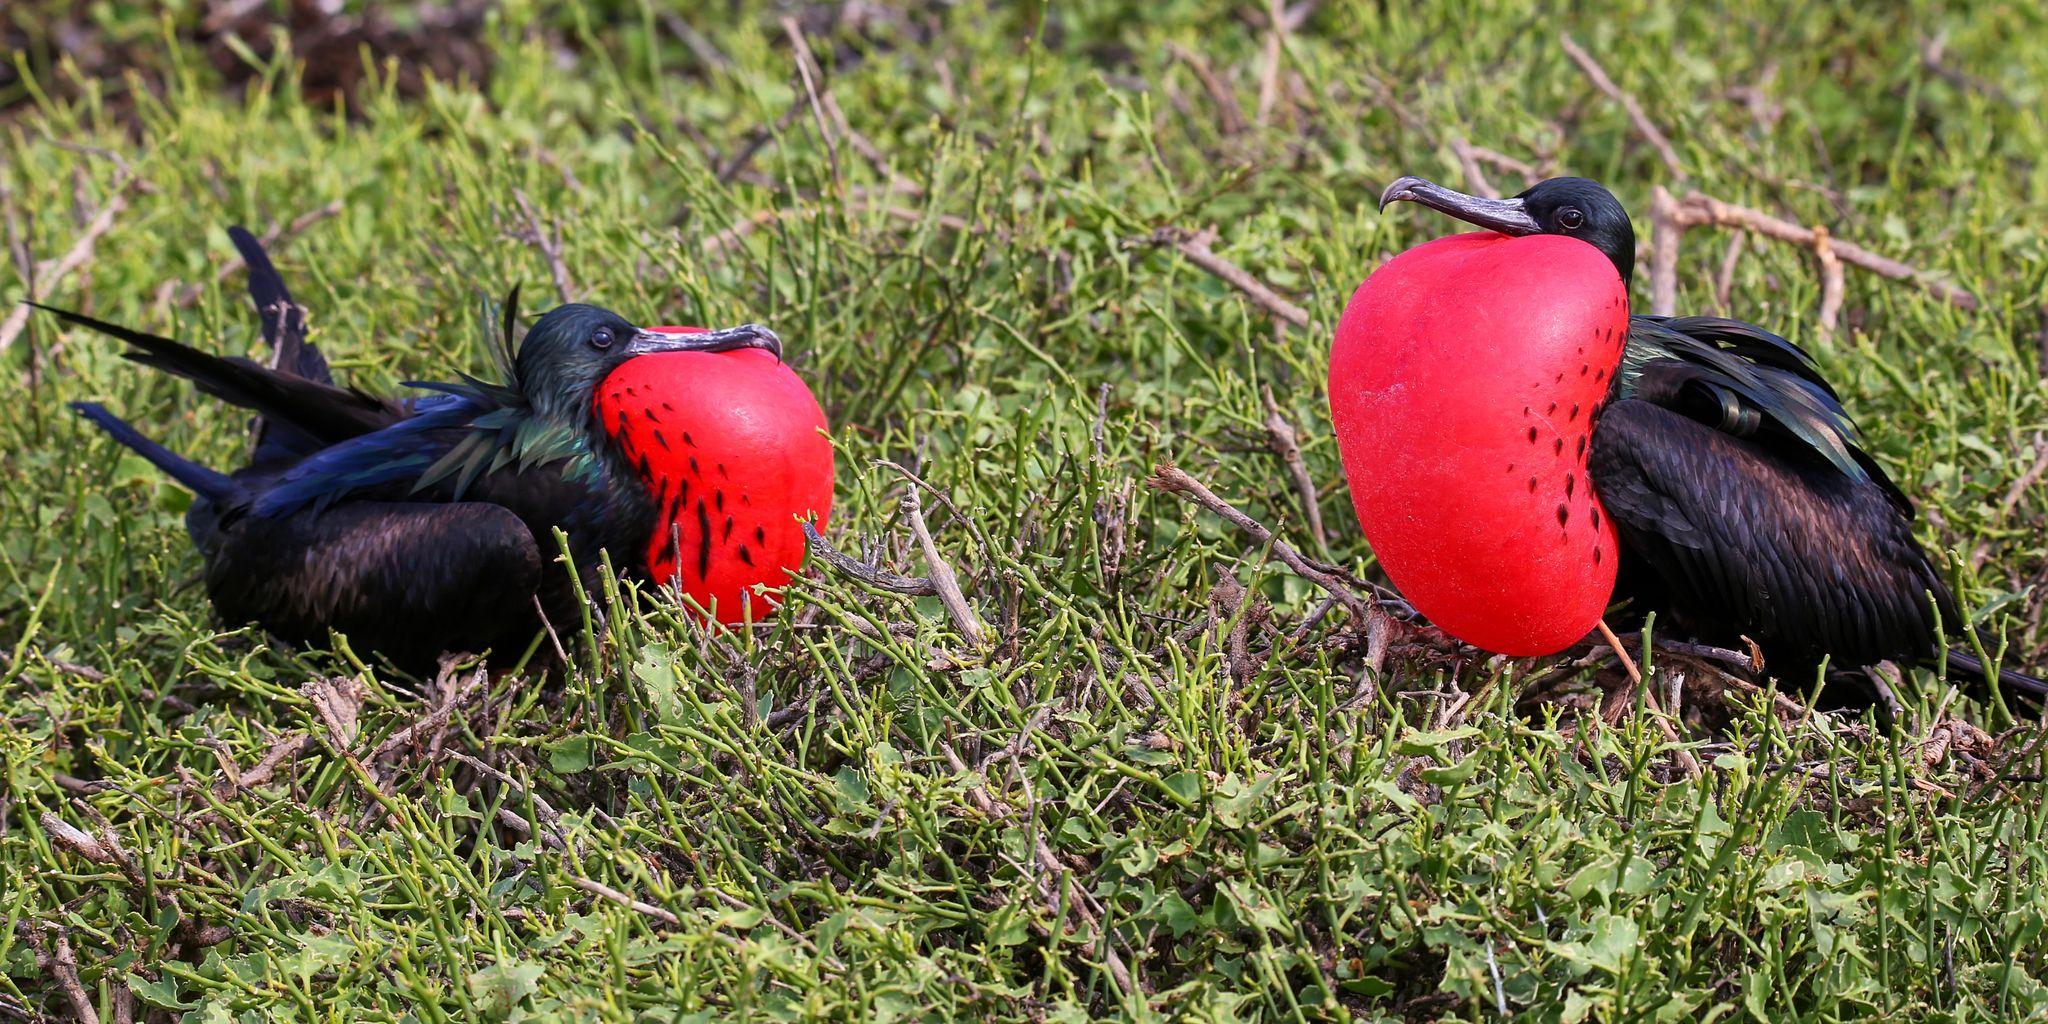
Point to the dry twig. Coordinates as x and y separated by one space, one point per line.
862 572
1475 178
1229 118
1174 480
1635 677
49 273
1286 443
944 581
1830 281
1636 115
1195 246
600 889
550 246
1671 217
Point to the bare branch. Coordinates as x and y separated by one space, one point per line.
1286 443
1635 676
607 892
861 572
1831 285
550 246
825 110
49 274
1229 118
1475 178
943 579
1173 480
1195 246
1637 116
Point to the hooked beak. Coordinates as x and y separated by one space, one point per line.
1506 216
743 336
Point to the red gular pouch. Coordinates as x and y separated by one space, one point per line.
734 448
1465 379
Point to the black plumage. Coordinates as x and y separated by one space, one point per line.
417 526
1744 499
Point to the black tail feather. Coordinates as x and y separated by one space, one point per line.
2012 684
206 483
325 413
284 321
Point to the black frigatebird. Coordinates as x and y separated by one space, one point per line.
425 525
1704 458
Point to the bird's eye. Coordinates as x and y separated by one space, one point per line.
1570 218
601 338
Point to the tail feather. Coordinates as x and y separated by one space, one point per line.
209 484
2011 683
284 321
325 413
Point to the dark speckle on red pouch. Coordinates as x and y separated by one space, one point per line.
1564 514
727 535
722 474
694 471
1571 482
1575 412
1596 517
1557 446
745 555
660 440
665 407
1532 435
649 413
718 500
760 535
688 440
1532 485
1596 556
703 541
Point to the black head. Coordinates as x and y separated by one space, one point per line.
572 348
1578 207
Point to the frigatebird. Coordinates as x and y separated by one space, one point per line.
425 525
1706 460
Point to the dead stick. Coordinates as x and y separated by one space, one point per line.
1831 285
1230 119
1173 480
1697 209
1635 676
943 579
607 892
1637 116
804 63
1667 224
1276 45
1475 178
862 572
550 247
1286 443
64 964
74 258
1195 246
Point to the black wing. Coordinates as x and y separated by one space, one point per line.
403 581
324 413
1790 552
1743 380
